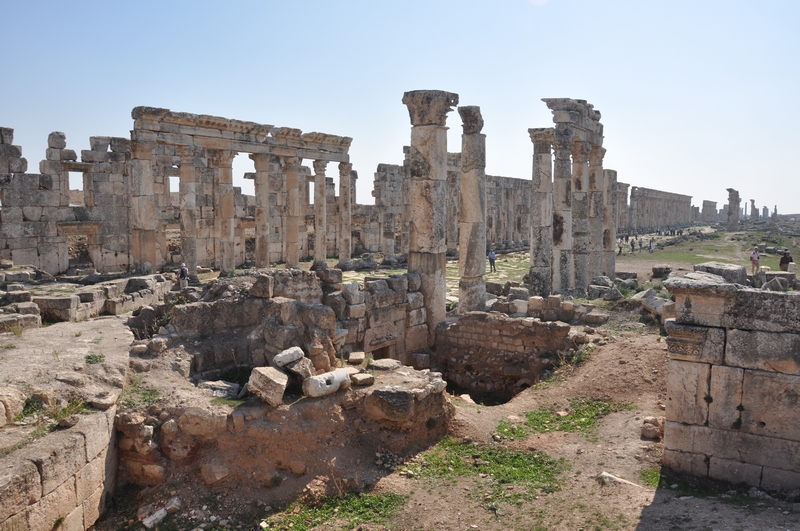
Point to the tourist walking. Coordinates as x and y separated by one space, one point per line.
633 245
183 277
620 244
754 258
786 259
640 244
652 244
492 257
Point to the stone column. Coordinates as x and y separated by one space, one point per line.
142 206
224 217
264 164
610 217
753 209
597 211
188 191
294 217
580 214
320 217
563 269
472 214
733 209
345 217
541 213
428 182
387 236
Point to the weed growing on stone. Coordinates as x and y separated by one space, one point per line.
497 468
96 340
651 476
91 359
16 330
354 509
137 394
78 334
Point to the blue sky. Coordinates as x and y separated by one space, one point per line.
696 96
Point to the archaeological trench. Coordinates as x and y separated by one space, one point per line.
329 365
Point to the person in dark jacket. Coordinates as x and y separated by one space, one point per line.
786 259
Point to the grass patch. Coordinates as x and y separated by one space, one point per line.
583 418
651 476
8 346
138 394
533 471
16 330
91 359
355 509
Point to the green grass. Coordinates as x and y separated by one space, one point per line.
533 471
8 346
138 394
91 359
651 476
583 418
355 509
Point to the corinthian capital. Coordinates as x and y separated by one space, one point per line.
429 107
471 119
563 143
580 152
345 168
596 155
319 167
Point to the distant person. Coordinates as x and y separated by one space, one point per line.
492 257
633 245
641 242
754 258
620 245
786 259
183 276
652 244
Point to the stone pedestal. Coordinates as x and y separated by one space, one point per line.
472 214
427 185
320 216
541 213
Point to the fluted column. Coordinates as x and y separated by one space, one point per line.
345 217
597 213
292 168
610 217
563 279
428 182
541 212
225 213
580 213
188 192
320 216
472 214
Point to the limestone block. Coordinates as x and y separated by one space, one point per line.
417 317
595 318
99 143
20 485
379 337
355 311
416 337
58 457
393 404
326 383
769 400
726 397
203 423
730 272
414 281
386 364
59 502
685 463
383 316
16 276
734 471
773 352
536 304
97 433
58 308
269 384
415 300
57 140
221 388
91 477
13 401
337 304
695 343
330 276
356 358
661 270
518 306
687 392
398 283
352 294
362 379
773 478
32 213
303 368
654 305
288 356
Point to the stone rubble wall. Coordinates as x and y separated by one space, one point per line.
733 386
494 354
63 480
652 209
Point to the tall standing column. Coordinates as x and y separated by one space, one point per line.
610 217
264 164
188 192
345 217
580 214
292 168
597 201
320 217
472 214
733 209
142 211
427 187
541 212
563 277
225 214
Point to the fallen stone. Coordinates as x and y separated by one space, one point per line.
362 379
303 368
287 356
386 364
356 358
154 519
298 468
221 388
263 287
613 294
661 271
776 284
326 383
173 505
269 384
730 272
602 281
595 318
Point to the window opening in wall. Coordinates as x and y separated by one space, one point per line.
242 166
310 189
174 183
77 191
78 252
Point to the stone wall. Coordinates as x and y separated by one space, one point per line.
654 209
734 383
491 354
63 480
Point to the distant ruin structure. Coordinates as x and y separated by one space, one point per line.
733 209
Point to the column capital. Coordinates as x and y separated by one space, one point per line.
142 150
345 168
580 152
563 143
225 158
292 163
596 155
429 107
319 167
542 135
471 119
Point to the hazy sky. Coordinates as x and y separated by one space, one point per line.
696 96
